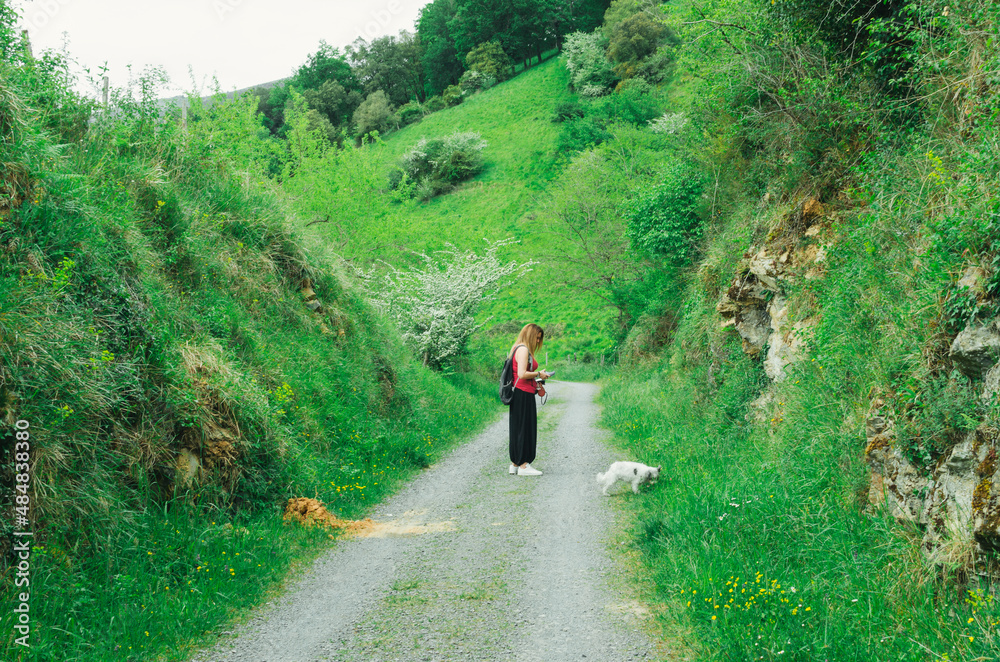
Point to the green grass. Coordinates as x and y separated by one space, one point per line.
151 304
759 537
509 199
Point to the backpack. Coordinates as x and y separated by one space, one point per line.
507 378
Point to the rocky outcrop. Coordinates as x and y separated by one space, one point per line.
976 349
895 482
755 304
958 503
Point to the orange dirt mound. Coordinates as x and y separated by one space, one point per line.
311 511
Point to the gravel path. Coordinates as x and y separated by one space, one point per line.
478 565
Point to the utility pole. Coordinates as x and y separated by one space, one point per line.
104 93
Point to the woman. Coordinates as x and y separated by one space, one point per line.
523 417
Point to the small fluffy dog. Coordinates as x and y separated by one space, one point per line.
628 472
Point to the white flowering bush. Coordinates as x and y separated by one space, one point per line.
435 306
668 123
590 72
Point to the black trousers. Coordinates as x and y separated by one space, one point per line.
523 427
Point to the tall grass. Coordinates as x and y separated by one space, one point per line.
156 306
760 535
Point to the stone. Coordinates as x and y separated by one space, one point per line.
314 306
976 349
812 209
972 278
896 483
959 503
991 385
754 326
188 468
786 342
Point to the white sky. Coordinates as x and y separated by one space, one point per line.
241 42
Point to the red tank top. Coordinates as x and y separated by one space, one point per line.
526 385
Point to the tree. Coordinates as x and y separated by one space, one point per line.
634 38
326 76
590 233
435 306
441 63
374 114
390 64
333 102
489 58
327 63
664 221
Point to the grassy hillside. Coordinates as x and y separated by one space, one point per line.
850 210
183 365
511 198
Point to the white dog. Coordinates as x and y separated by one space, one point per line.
628 472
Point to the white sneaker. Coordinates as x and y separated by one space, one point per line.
528 470
512 470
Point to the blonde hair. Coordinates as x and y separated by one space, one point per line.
532 336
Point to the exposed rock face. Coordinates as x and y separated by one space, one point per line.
976 349
958 502
895 481
755 304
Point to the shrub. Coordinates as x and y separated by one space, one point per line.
434 104
435 306
410 112
665 221
668 123
435 165
590 72
634 38
579 134
633 103
452 95
475 81
568 110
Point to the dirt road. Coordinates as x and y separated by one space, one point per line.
473 564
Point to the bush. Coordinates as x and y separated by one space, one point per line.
475 81
435 165
452 95
434 104
568 110
665 221
633 103
579 134
590 72
435 306
409 113
634 38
